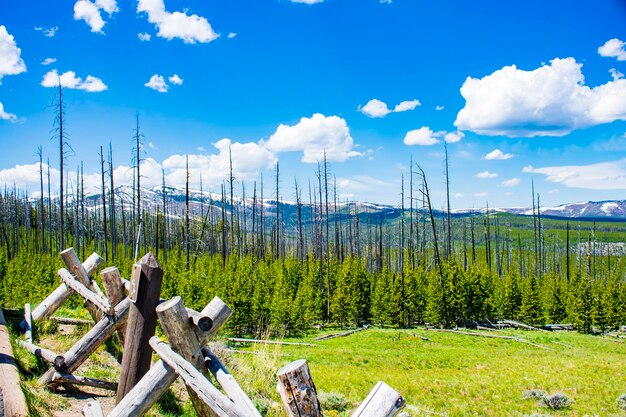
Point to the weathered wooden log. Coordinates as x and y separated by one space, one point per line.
91 297
89 342
114 289
70 320
156 382
142 319
93 409
268 342
52 302
64 378
146 392
28 323
229 384
493 336
517 324
80 273
220 405
204 323
297 390
218 312
382 401
176 324
12 395
45 354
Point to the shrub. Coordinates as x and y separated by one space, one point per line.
621 402
534 394
332 401
557 401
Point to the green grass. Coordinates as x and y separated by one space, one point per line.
459 375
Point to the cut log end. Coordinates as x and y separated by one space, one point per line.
290 367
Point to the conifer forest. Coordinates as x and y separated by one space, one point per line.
288 257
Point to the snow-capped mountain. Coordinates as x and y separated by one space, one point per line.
201 202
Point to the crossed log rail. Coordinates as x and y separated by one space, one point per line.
187 354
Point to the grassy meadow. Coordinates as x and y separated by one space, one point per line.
447 375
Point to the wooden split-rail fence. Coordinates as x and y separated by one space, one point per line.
186 356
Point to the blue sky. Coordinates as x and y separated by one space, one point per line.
518 90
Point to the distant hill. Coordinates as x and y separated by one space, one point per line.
609 210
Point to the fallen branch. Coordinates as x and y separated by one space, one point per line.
332 336
268 342
493 336
521 325
69 320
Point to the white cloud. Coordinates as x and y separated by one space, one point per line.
151 145
616 74
481 194
144 37
48 61
511 182
69 79
528 168
600 176
549 101
90 12
458 195
307 1
377 108
486 174
313 136
189 28
157 82
7 116
11 62
498 155
386 1
454 137
176 80
248 160
49 32
422 136
439 108
553 191
613 48
231 35
406 106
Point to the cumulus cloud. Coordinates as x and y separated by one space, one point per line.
377 108
313 136
511 182
231 35
7 116
170 25
157 83
486 174
439 108
423 136
613 48
248 160
454 137
498 155
144 37
600 176
48 32
48 61
11 63
176 80
90 12
69 79
481 194
549 101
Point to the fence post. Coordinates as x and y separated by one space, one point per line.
114 289
146 281
297 390
382 401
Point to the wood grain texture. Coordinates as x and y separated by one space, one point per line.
12 395
114 288
141 325
297 390
382 401
93 409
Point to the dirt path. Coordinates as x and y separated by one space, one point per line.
79 397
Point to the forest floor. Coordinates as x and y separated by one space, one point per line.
449 374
